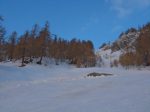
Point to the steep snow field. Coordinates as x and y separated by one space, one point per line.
67 89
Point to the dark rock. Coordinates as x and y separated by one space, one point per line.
26 62
94 74
39 62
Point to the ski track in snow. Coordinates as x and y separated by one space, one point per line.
67 89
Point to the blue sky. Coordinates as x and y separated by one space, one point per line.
96 20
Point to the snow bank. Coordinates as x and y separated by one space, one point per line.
66 89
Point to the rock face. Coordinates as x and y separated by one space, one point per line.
94 74
126 41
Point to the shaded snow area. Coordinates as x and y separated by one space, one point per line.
67 89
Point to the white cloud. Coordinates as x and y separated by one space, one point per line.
126 7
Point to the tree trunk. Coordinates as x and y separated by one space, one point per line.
23 55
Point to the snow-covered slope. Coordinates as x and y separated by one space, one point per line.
106 57
35 88
111 52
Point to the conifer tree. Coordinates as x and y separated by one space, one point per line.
43 38
11 45
2 47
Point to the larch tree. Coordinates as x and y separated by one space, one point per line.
143 44
23 46
32 47
11 45
2 33
43 38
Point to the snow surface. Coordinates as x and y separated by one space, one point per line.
108 57
35 88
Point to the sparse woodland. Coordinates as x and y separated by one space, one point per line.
40 42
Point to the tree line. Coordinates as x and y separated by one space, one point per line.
38 43
141 54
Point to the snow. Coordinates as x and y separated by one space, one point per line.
64 88
108 56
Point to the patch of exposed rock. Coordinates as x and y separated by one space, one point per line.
94 74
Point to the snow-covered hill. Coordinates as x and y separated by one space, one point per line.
35 88
109 53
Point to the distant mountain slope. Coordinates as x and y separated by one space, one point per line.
132 48
108 54
126 41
